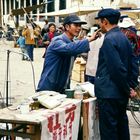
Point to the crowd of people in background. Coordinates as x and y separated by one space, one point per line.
32 36
35 36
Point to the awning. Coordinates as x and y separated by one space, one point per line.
132 13
16 12
82 10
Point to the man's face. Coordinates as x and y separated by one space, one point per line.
102 23
73 29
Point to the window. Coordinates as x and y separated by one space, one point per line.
12 5
62 4
7 6
51 19
3 7
50 6
22 5
27 3
42 8
34 2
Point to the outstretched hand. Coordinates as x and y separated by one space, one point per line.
95 35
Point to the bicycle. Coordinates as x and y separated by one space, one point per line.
134 108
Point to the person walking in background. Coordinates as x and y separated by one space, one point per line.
37 37
45 28
116 78
48 36
60 29
84 32
60 56
127 26
28 33
21 43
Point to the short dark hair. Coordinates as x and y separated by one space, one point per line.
51 24
113 20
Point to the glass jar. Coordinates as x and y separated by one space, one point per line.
78 94
24 108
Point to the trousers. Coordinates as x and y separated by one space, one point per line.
113 120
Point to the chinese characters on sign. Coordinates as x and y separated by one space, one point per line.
62 131
62 123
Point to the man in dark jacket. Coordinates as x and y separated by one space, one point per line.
116 78
60 55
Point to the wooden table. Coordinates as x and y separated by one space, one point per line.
61 122
18 127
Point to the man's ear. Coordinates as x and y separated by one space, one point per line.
67 27
105 21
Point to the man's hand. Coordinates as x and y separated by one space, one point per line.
95 35
47 43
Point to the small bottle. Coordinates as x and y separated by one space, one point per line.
35 105
78 94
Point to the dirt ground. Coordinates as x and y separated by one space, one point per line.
21 74
20 78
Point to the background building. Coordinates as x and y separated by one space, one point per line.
57 9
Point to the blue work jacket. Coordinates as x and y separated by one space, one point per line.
57 62
117 69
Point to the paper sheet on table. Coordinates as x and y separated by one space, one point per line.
51 101
87 86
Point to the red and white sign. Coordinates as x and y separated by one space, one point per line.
62 123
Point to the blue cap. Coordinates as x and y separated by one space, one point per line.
109 12
73 19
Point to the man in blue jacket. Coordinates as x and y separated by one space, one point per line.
60 55
116 78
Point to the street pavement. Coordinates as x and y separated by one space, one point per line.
21 78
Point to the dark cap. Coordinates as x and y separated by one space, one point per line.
73 19
109 12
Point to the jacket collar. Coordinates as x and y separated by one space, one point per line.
113 30
65 37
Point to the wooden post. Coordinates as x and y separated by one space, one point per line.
37 135
85 120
